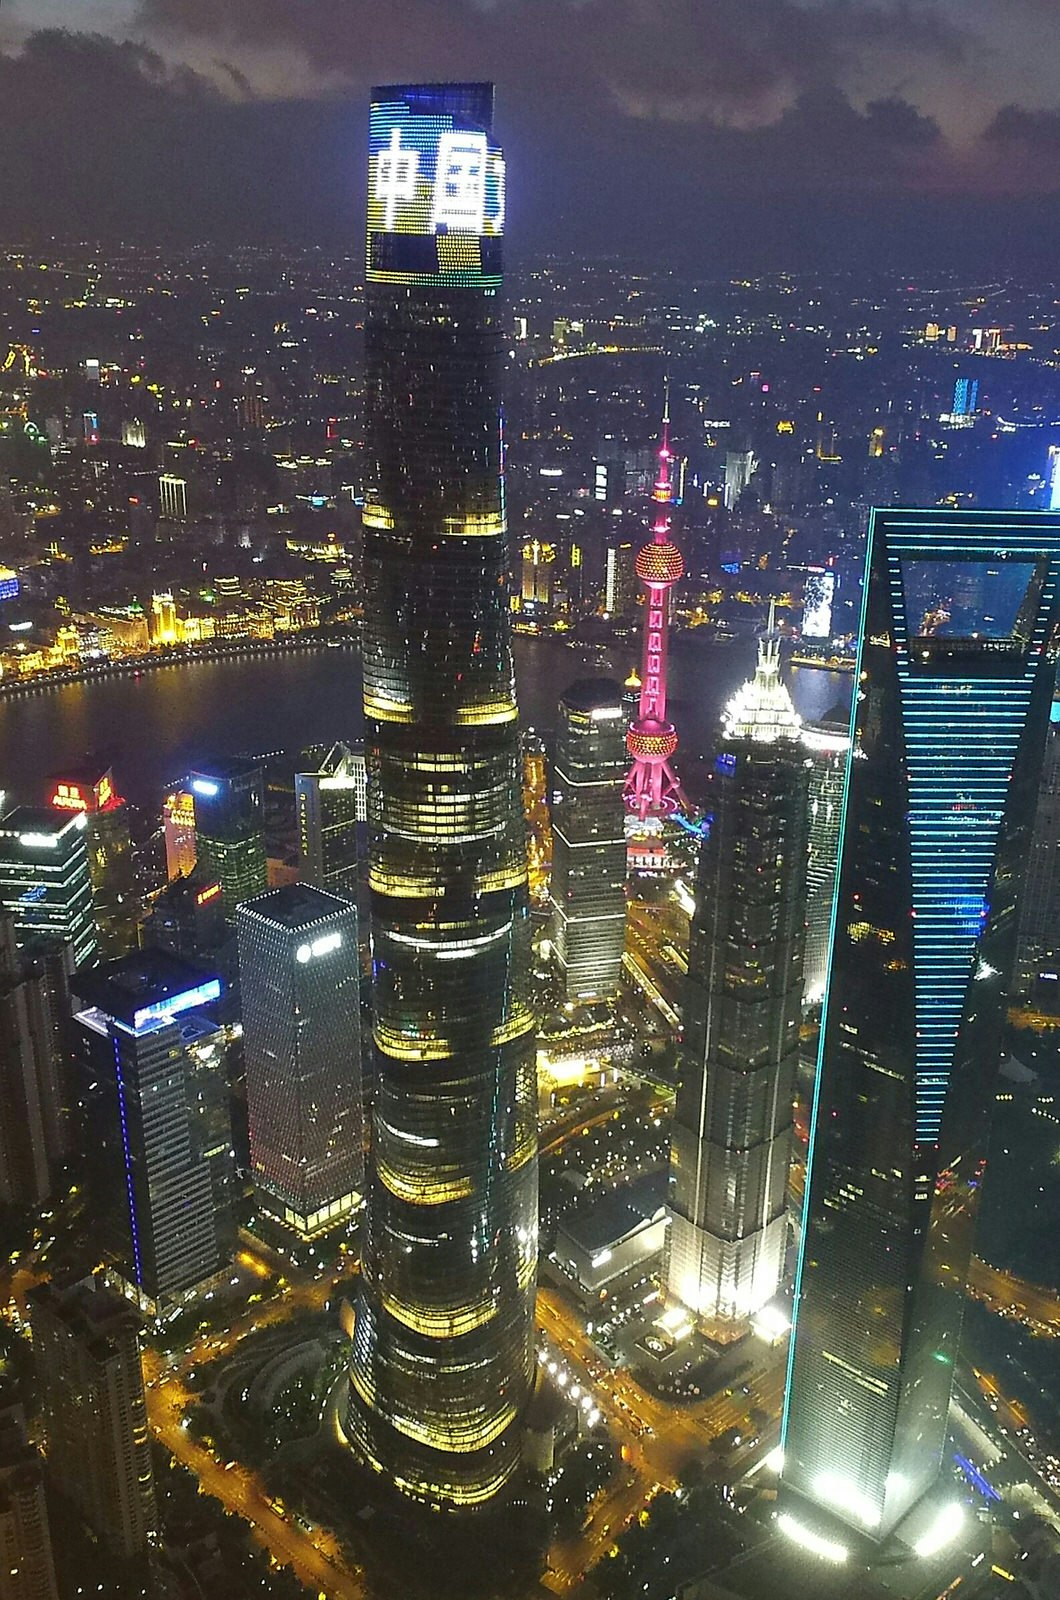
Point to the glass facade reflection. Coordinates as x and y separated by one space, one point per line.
441 1364
957 665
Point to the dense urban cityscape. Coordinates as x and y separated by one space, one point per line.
529 915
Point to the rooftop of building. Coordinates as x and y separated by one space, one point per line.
296 906
94 1314
593 694
39 819
127 988
600 1223
226 768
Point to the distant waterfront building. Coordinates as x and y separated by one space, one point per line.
299 975
230 828
731 1143
178 827
34 1136
91 790
87 1355
955 680
588 888
442 1363
150 1174
27 1567
826 744
332 802
44 877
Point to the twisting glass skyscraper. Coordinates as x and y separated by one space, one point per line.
957 665
731 1144
442 1356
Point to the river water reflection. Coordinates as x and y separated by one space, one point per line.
155 727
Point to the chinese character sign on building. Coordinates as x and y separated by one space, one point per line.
435 187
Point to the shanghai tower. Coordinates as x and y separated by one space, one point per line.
442 1343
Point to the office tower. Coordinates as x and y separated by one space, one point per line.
188 918
818 600
731 1142
230 828
1038 939
299 977
44 877
826 744
652 788
331 800
588 840
86 1346
965 397
150 1178
172 497
110 859
206 1048
178 828
33 1127
740 468
442 1356
956 674
620 578
27 1568
538 577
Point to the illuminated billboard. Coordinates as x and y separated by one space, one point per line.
435 187
818 598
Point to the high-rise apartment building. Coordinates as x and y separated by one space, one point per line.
230 828
825 745
27 1566
731 1143
33 1078
87 1355
442 1358
588 886
956 675
332 801
299 976
44 877
150 1174
110 859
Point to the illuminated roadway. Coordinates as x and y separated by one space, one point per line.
655 1439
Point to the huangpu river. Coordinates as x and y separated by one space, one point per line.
154 727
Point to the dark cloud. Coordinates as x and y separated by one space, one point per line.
777 165
680 60
1016 129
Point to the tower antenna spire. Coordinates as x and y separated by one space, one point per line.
652 787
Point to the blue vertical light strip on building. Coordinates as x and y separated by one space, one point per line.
130 1187
962 737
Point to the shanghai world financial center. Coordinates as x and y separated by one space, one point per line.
956 676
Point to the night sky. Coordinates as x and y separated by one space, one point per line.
708 133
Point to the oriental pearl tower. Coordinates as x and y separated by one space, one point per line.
652 790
